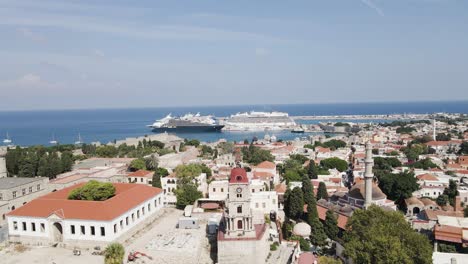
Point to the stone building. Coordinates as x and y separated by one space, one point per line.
242 237
53 218
15 192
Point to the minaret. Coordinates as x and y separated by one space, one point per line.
368 175
3 169
434 130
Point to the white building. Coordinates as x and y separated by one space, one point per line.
141 177
16 192
169 185
55 219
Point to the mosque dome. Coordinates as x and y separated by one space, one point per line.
358 192
302 229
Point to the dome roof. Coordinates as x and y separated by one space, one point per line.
302 229
358 192
238 175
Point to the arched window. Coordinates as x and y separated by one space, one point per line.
239 224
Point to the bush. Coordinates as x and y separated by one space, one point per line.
114 254
93 191
274 246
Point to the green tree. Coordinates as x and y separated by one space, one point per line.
312 170
114 254
322 191
334 163
156 181
187 194
255 155
329 260
451 192
399 186
162 172
107 151
334 144
331 225
317 232
138 164
295 202
379 236
442 200
307 190
67 161
443 137
463 148
151 162
424 164
93 191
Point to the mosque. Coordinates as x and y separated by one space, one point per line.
363 193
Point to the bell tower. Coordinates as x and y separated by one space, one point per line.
238 216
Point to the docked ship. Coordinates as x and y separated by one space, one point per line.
259 121
186 123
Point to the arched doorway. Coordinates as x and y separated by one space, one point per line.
239 224
13 208
416 210
57 232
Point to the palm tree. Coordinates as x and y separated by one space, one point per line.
151 162
114 254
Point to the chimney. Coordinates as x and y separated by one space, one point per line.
458 206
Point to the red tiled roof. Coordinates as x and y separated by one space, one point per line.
448 233
306 258
238 175
427 177
266 165
342 219
263 175
127 197
141 173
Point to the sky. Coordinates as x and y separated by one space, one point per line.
118 54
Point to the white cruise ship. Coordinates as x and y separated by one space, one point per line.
259 121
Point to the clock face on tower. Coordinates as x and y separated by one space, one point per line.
239 190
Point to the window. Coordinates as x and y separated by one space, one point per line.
121 224
155 203
133 217
264 205
256 205
15 225
24 226
82 229
159 200
222 189
141 179
239 195
115 228
1 196
126 220
253 190
143 210
42 227
38 187
33 227
72 229
14 194
138 214
239 209
103 231
93 231
30 189
214 189
23 191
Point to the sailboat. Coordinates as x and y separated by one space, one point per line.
7 140
79 140
53 141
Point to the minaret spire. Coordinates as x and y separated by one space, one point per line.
368 175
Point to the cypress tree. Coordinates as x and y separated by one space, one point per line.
322 191
331 225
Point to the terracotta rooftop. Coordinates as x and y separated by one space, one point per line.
427 177
342 219
266 165
127 197
141 173
448 233
238 175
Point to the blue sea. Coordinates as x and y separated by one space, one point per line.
104 125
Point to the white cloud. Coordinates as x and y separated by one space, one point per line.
28 82
372 5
